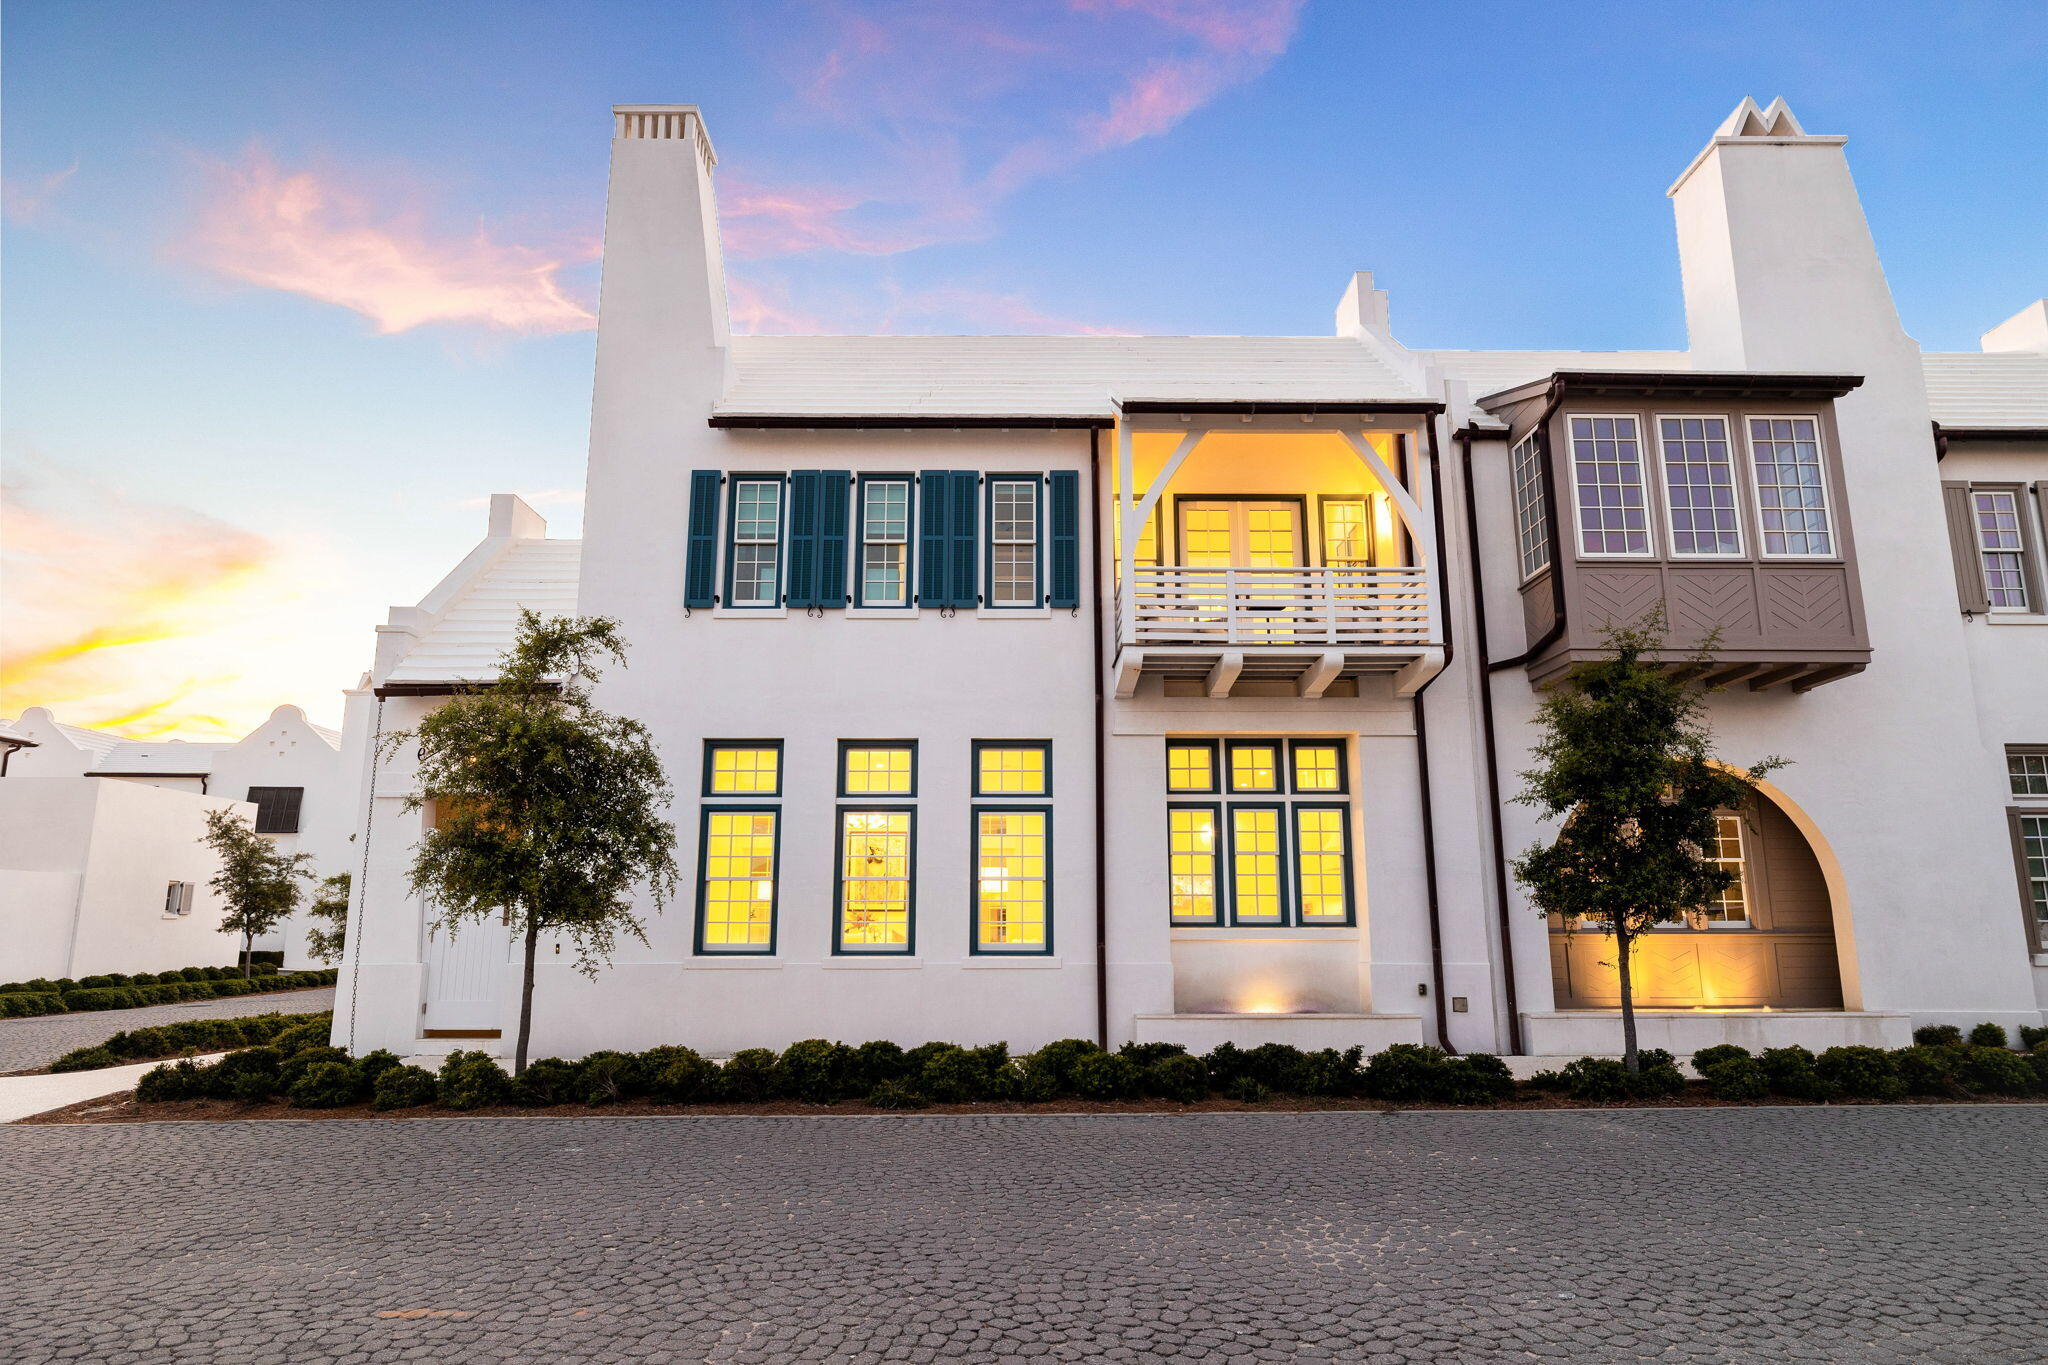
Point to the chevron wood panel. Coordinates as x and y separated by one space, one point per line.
1703 601
1618 597
1807 605
1735 969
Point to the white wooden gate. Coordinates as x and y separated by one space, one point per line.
466 976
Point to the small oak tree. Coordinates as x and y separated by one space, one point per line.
258 881
1626 758
330 904
548 811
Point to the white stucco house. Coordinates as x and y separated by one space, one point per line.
103 878
1174 687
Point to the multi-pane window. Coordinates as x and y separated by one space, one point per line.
756 543
1532 525
2027 771
1607 472
277 808
178 898
1191 864
1011 887
1317 767
1013 543
1699 485
1257 869
877 769
1002 769
1732 905
743 768
2032 833
1191 767
1322 871
1254 767
737 896
1996 512
1791 496
874 881
1347 533
885 543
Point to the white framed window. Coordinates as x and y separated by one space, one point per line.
1347 533
885 542
2001 546
1700 509
178 898
755 574
1532 526
1608 489
1791 488
2027 771
1013 543
1731 907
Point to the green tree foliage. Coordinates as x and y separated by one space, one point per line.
1626 760
550 811
258 881
326 938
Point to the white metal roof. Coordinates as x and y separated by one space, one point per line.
464 644
1969 389
1043 376
159 756
1488 372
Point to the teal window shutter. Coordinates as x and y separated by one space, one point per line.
963 501
1065 575
700 553
803 539
833 510
932 576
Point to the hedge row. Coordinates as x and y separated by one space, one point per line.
64 983
166 988
1948 1069
192 1035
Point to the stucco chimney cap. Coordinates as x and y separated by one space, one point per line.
639 121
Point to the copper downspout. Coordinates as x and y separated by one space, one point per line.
1436 928
1101 782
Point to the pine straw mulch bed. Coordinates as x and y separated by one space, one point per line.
123 1108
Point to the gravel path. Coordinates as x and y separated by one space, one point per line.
38 1042
1865 1234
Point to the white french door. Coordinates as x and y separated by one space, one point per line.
1259 533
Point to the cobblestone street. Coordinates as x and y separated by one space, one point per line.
1844 1234
39 1041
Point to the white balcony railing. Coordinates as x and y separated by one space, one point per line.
1347 609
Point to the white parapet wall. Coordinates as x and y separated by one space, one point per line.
1597 1033
1200 1033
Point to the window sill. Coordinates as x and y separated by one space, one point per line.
2041 959
749 613
736 962
1014 613
881 613
869 962
984 961
2015 618
1317 933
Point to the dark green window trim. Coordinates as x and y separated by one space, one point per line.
974 880
839 814
775 871
712 746
732 514
1215 767
1218 850
857 556
974 771
1343 787
1280 766
1283 830
1343 809
847 744
1039 597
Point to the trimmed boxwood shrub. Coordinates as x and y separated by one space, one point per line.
172 1081
814 1070
1480 1078
896 1095
1059 1058
1142 1055
1989 1035
291 1068
1408 1073
325 1085
29 1004
1178 1077
687 1078
1865 1072
1034 1084
1736 1078
250 1074
607 1077
1937 1035
404 1087
952 1075
2037 1058
875 1062
2032 1036
1245 1090
549 1080
371 1065
284 1032
1596 1079
1925 1070
1791 1073
86 1059
472 1080
1995 1071
1105 1076
748 1074
1714 1056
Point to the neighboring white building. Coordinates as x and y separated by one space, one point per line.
286 775
1175 687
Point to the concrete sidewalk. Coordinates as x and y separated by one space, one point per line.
21 1096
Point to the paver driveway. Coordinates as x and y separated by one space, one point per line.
1864 1234
39 1041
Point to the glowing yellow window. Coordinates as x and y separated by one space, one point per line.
1317 768
874 881
1191 767
1319 863
745 770
880 769
1017 771
738 894
1347 534
1255 866
1010 880
1254 768
1191 863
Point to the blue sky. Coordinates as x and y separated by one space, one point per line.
290 287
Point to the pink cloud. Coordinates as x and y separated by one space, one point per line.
26 201
758 309
756 220
304 234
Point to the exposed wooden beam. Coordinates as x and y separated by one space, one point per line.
1224 675
1774 675
1322 673
1825 674
1732 673
1130 666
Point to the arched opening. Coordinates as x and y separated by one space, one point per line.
1772 942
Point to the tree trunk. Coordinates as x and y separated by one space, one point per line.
526 998
1625 944
248 951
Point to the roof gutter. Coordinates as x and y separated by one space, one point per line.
1402 407
1944 434
902 421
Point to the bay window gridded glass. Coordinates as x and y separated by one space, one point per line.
738 894
1009 880
1996 514
1607 470
1791 500
1532 529
2034 856
1347 534
1256 866
1191 863
2028 772
1013 543
1321 875
885 543
1255 767
1010 771
1732 906
1699 485
745 770
1318 768
756 547
877 770
874 881
1191 767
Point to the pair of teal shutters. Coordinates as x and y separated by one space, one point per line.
949 552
